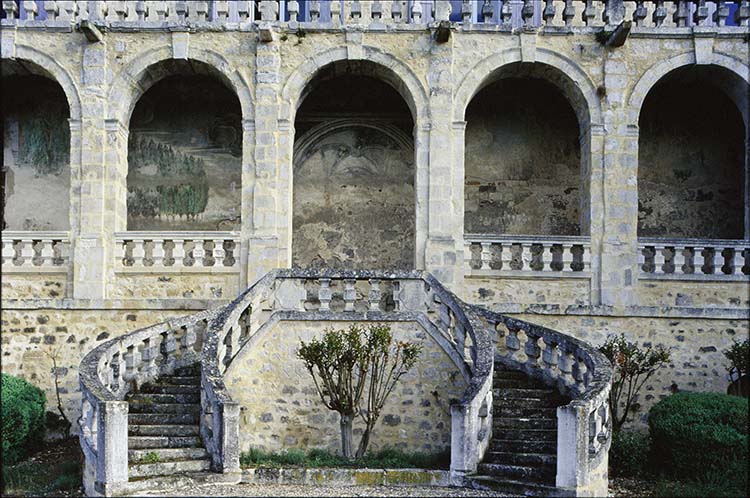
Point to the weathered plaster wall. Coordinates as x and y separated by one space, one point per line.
491 292
281 408
188 286
522 160
36 152
691 164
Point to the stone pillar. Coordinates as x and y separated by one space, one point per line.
112 447
246 210
270 232
572 447
91 238
230 437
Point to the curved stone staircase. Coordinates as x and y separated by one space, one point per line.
533 418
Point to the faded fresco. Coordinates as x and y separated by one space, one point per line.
354 201
184 157
36 154
522 161
691 160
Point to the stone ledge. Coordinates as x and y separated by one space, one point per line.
346 477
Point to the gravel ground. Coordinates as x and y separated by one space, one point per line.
294 490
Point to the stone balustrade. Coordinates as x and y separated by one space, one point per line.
694 259
379 14
176 252
577 369
523 256
109 372
35 252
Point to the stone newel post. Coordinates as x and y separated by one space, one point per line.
112 447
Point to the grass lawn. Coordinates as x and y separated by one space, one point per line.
53 470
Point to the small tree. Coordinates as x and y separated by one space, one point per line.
633 367
349 365
738 355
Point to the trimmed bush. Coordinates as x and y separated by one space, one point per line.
699 434
22 417
628 455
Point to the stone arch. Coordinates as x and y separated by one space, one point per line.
134 80
389 69
656 72
57 73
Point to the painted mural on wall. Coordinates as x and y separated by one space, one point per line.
522 161
36 155
691 162
184 157
353 198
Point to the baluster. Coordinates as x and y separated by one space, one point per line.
565 366
157 254
292 6
709 260
181 9
162 11
396 13
222 10
487 12
614 12
189 338
506 14
199 252
721 13
9 252
567 257
178 253
132 363
201 11
678 260
375 294
506 256
580 374
569 12
121 10
139 252
466 11
681 14
11 9
698 260
550 355
141 10
315 11
376 11
325 294
589 12
526 257
549 12
512 342
148 355
700 16
350 294
30 7
547 256
659 259
660 13
27 252
336 13
738 260
485 255
243 10
219 253
48 253
742 14
527 13
356 13
642 258
118 369
586 257
532 350
443 10
168 350
50 7
640 13
416 12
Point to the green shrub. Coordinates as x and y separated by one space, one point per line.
22 417
695 435
628 455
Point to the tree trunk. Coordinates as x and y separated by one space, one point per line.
347 435
363 443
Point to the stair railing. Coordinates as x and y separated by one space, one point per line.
109 372
578 370
352 296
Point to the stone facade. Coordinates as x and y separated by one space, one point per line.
269 67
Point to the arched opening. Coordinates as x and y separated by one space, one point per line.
692 156
185 151
525 173
36 149
353 180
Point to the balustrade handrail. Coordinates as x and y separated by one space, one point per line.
690 241
533 239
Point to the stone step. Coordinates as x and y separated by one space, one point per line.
167 389
142 442
523 446
190 370
163 430
163 418
501 373
516 384
526 434
168 468
178 408
505 411
501 402
524 392
167 454
522 473
513 487
164 398
526 459
179 380
138 486
523 423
